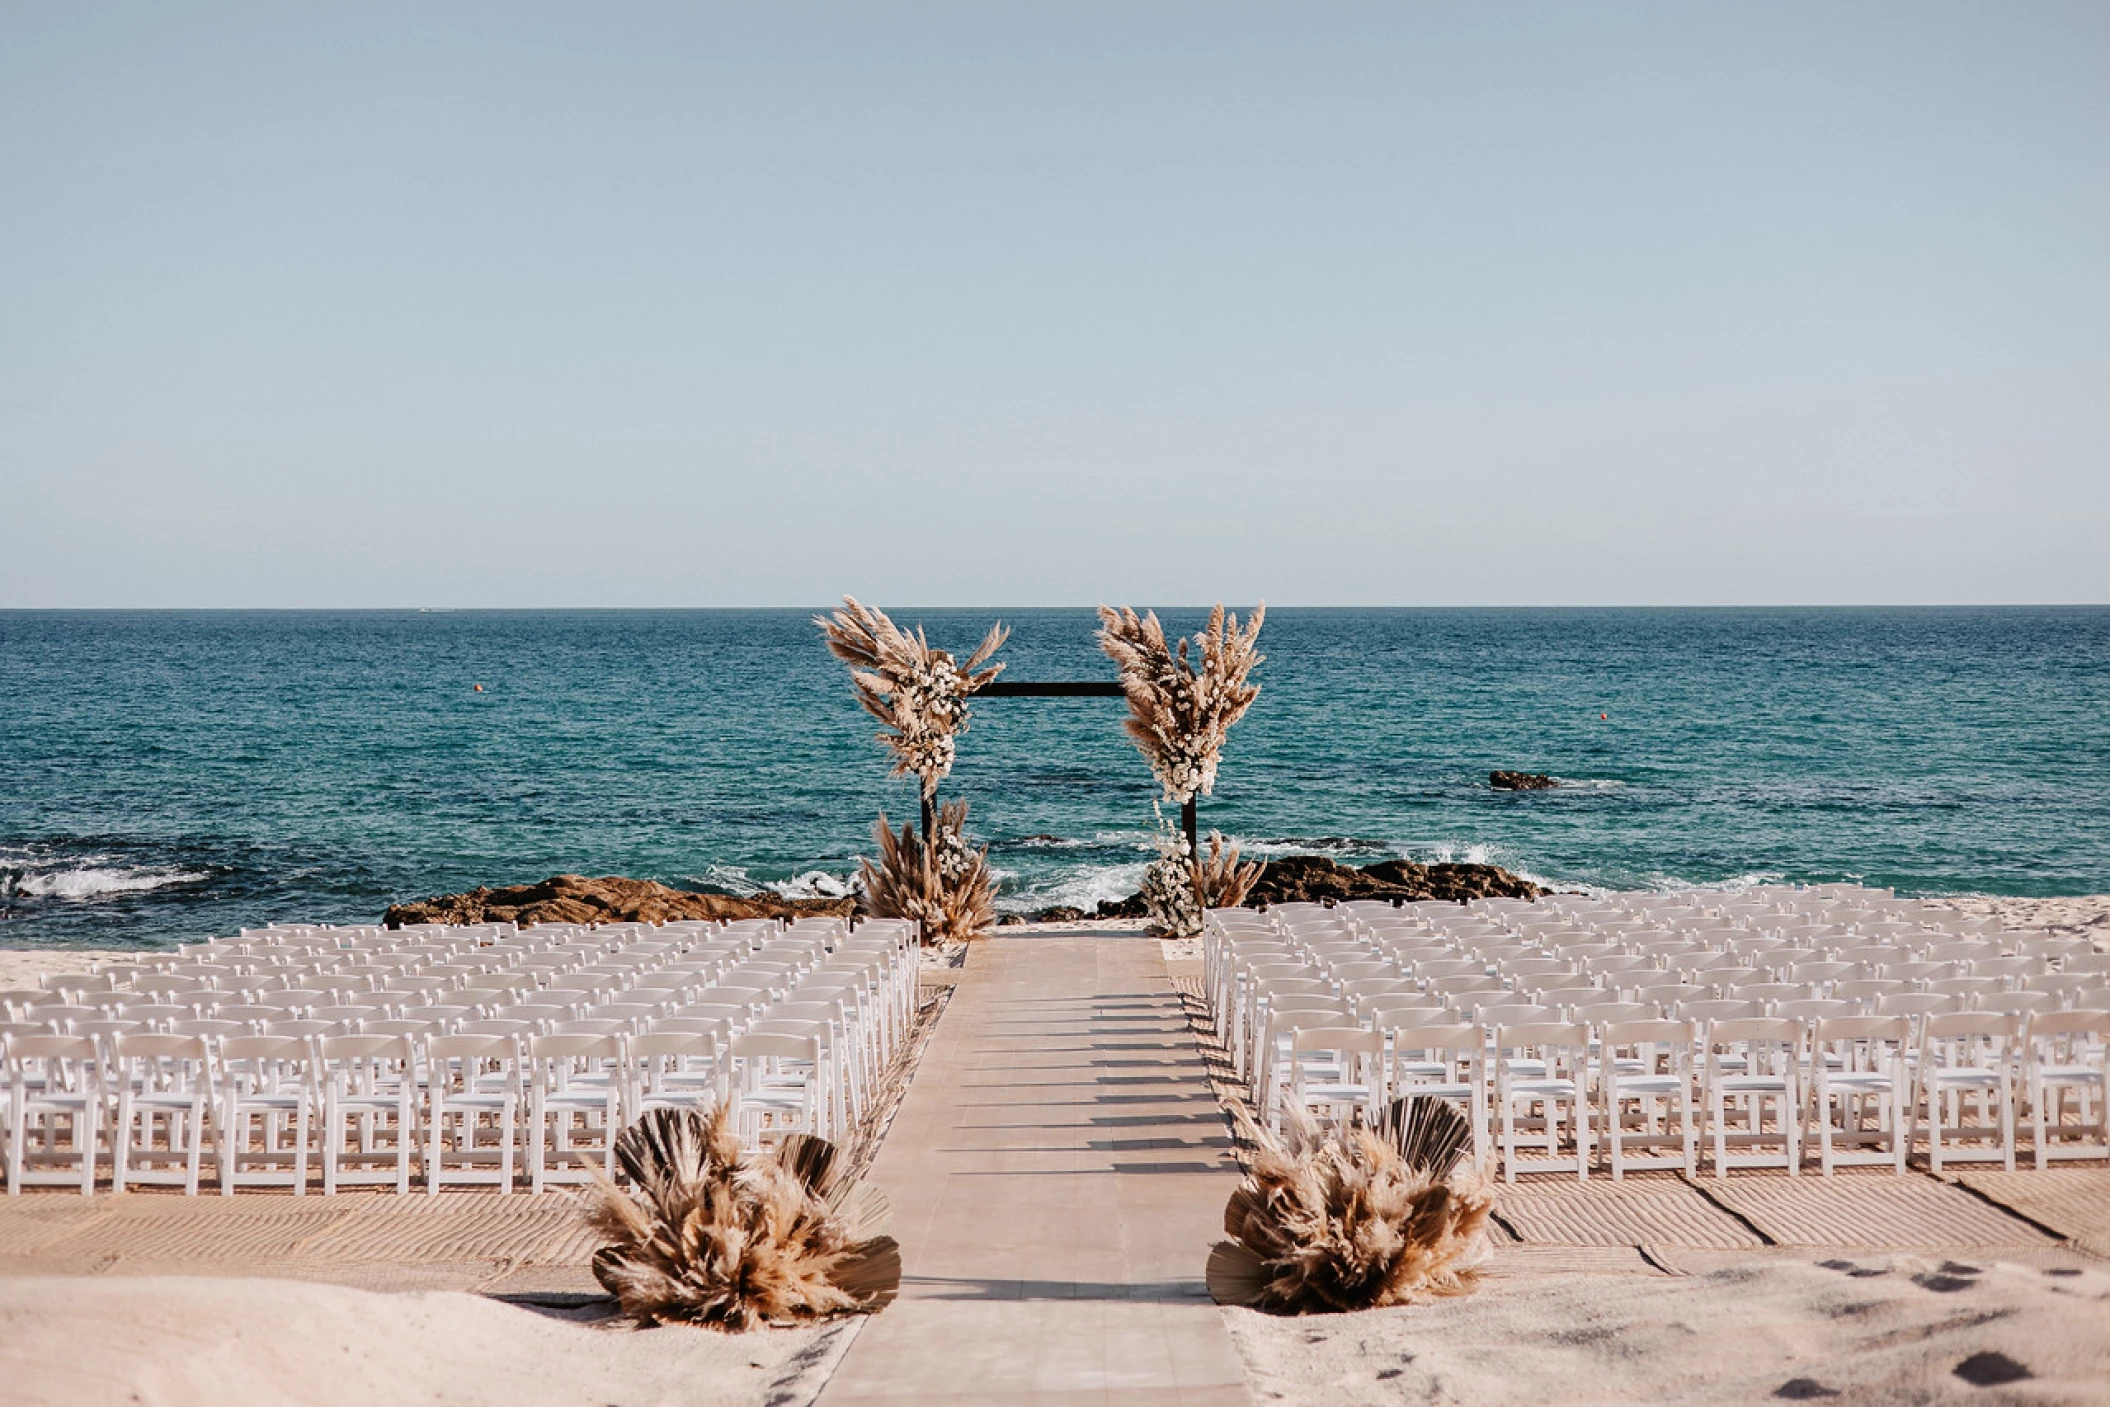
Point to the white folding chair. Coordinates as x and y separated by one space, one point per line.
55 1111
1645 1072
1541 1078
473 1110
1862 1100
1443 1058
1337 1072
1753 1063
267 1103
781 1084
678 1069
2064 1054
575 1086
1966 1058
369 1110
165 1095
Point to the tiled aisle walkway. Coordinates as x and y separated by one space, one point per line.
1058 1172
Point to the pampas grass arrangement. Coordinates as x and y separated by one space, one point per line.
1221 881
1179 713
711 1235
918 692
946 887
1355 1219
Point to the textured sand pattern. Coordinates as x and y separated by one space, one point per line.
1633 1212
1873 1209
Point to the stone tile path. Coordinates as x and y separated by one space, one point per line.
1058 1171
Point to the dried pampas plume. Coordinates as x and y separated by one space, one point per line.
919 693
946 887
711 1235
1355 1219
1178 714
1220 881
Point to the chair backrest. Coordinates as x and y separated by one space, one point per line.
575 1047
2045 1024
1448 1036
663 1045
1357 1039
765 1045
364 1048
472 1047
1917 1004
1894 1029
1761 1030
1717 1009
1605 1014
1541 1035
148 1046
1816 1008
1968 1038
283 1050
1676 1035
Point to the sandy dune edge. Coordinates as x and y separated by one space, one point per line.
1841 1328
171 1342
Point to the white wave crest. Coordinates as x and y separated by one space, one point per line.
815 884
1079 888
91 882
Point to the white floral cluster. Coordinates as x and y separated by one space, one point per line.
956 858
1168 884
930 711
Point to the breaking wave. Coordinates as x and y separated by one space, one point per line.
90 882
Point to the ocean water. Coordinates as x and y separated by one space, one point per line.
167 775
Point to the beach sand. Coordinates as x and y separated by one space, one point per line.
1758 1326
168 1341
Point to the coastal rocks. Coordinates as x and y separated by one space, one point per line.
570 898
1521 781
1317 879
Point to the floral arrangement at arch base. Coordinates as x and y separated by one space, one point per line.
945 887
1355 1218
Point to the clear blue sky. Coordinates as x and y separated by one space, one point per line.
510 304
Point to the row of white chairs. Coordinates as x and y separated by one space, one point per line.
1278 980
479 1054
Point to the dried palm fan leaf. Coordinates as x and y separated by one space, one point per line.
711 1235
1354 1219
1179 714
1221 882
946 887
919 693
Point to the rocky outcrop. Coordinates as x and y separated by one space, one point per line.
1317 879
1521 781
570 898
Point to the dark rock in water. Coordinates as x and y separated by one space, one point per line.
1010 920
1131 907
1060 913
570 898
1317 879
1521 781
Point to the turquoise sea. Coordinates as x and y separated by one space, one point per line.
166 775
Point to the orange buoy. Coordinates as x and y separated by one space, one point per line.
479 688
1601 715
